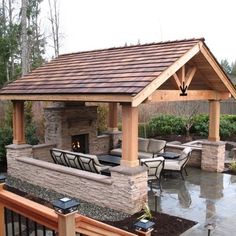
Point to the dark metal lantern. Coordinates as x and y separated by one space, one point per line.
144 225
65 205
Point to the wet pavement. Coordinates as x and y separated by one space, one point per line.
205 197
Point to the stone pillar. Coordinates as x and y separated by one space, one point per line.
17 151
115 136
213 156
23 150
129 189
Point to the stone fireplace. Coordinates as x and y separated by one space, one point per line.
73 126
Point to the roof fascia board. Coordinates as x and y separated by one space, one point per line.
214 64
70 97
157 82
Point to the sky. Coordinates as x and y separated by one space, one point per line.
95 24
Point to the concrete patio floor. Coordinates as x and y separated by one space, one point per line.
205 197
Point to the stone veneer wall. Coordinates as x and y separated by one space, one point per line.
64 120
125 190
196 155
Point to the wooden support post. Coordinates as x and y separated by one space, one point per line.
18 122
66 224
129 136
142 233
112 119
214 120
2 216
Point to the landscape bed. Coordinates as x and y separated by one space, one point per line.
165 225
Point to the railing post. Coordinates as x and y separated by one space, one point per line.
66 224
2 215
66 209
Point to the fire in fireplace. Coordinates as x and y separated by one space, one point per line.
80 143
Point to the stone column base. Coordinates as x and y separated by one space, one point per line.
22 150
115 136
129 188
213 156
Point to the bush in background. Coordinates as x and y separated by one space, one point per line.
144 130
227 125
102 118
166 125
200 125
6 131
5 139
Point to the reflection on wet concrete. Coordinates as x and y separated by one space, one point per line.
205 197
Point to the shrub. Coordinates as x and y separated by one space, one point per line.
200 125
167 124
5 139
232 166
30 135
102 118
144 130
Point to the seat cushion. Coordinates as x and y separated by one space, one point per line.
172 165
155 145
116 152
144 155
143 144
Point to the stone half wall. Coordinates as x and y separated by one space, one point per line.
125 190
196 155
66 120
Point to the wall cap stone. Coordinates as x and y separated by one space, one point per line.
18 146
103 136
131 171
212 143
113 132
38 146
182 146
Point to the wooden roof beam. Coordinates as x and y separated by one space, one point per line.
184 80
70 97
212 61
192 95
156 83
177 80
190 74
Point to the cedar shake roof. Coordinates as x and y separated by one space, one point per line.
123 74
125 70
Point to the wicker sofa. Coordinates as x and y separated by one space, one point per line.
147 148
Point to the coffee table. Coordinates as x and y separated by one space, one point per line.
169 155
109 160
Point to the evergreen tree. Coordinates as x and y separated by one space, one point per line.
233 68
226 66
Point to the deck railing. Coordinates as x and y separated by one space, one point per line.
26 216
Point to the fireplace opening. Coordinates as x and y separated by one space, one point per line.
80 143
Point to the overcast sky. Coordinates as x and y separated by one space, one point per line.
94 24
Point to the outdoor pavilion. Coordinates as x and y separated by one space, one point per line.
167 71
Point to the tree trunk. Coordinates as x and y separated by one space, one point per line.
54 19
12 66
24 38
